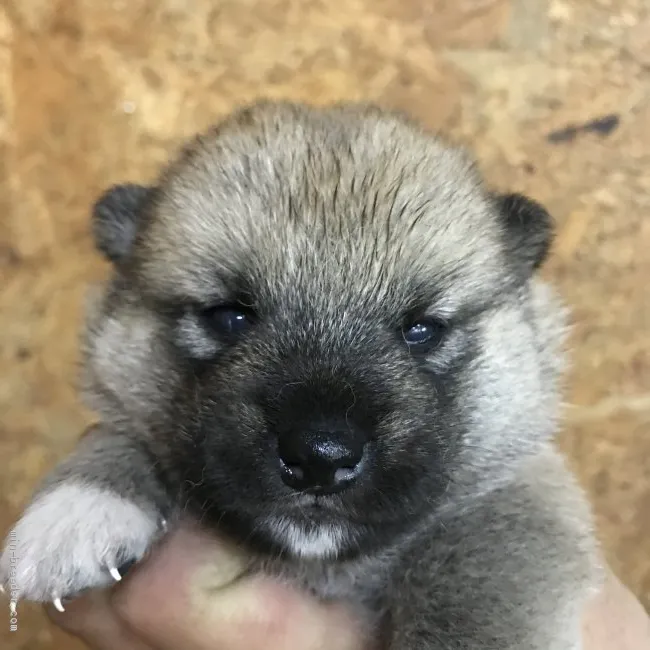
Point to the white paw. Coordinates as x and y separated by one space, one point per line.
72 538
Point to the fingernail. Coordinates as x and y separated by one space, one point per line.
219 570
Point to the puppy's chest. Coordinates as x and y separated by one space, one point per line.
362 582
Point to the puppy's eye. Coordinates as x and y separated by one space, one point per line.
228 321
425 333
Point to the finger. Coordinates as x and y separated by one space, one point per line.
252 614
191 594
615 619
154 601
91 618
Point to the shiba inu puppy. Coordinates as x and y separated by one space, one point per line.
325 337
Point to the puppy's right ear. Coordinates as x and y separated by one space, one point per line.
115 219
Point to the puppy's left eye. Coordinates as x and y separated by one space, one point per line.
424 333
228 321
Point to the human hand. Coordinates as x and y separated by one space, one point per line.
191 594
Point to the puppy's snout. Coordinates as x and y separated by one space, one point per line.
325 426
322 461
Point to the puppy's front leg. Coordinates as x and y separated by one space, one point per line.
99 510
513 572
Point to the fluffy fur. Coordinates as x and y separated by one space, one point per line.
333 226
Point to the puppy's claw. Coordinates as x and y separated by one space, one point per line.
115 574
58 604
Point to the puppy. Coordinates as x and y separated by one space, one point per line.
325 337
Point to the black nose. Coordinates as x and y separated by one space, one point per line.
320 462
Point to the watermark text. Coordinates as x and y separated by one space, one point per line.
12 545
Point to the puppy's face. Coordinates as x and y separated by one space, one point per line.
324 326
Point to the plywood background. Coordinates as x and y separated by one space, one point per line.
95 92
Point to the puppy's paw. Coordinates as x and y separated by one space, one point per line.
74 537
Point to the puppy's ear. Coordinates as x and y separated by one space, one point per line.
115 219
528 229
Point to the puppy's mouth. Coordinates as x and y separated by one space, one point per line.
318 508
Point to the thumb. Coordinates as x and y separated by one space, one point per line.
194 593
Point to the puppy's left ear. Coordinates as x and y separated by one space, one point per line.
528 229
115 219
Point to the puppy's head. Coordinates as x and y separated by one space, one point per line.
324 327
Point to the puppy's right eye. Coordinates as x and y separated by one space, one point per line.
228 321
